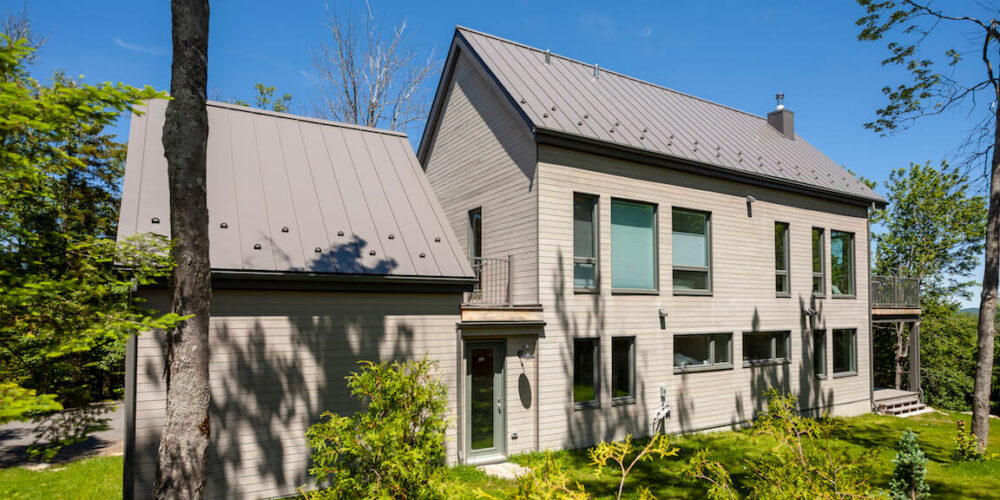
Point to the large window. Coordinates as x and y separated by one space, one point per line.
622 370
781 285
842 262
586 360
819 353
702 351
845 352
585 242
633 246
476 232
691 251
763 348
819 269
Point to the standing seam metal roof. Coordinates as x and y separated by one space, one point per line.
564 96
294 194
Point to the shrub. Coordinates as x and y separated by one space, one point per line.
908 477
547 481
394 446
720 483
619 453
967 448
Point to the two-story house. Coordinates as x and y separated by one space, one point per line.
649 251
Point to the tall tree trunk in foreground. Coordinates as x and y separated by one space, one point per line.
184 442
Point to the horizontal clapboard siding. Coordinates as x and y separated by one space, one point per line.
743 300
482 155
278 360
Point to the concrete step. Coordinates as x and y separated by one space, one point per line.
900 407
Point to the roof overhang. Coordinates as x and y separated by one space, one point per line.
330 282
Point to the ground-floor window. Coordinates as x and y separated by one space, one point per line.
764 348
586 360
845 351
819 353
702 351
623 370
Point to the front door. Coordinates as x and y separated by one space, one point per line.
484 407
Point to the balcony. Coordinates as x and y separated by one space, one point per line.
895 292
493 285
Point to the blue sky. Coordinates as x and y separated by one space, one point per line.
737 53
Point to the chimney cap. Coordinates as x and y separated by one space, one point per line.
780 97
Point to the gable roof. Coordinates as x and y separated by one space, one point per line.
565 98
294 194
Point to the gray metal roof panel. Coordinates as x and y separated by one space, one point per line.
285 185
629 112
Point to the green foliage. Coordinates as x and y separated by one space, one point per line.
910 472
720 483
933 229
618 453
547 481
266 99
65 309
947 356
967 448
394 446
16 402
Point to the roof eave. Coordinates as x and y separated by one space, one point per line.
235 279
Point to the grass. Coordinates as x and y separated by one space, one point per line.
869 432
91 478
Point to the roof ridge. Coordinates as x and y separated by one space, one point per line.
308 119
612 72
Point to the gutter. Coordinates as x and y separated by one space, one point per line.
230 279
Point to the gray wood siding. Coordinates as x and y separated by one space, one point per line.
482 155
744 299
278 360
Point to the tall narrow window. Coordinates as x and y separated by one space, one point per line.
691 251
622 370
476 232
842 262
586 361
633 245
781 284
819 269
764 348
819 353
585 242
845 352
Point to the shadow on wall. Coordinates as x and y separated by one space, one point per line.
279 359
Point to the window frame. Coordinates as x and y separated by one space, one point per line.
852 277
596 259
473 237
787 272
708 243
822 263
630 398
712 365
596 402
820 371
853 354
773 360
656 249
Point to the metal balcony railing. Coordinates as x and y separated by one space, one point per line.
895 291
494 278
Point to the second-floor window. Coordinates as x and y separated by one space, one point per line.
476 232
633 246
781 285
819 268
585 242
691 251
842 262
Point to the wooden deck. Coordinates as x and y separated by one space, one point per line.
896 402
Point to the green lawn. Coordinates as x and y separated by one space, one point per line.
936 433
92 478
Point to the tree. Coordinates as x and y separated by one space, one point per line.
369 78
184 442
910 471
930 92
265 99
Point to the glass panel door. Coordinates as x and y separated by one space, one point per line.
484 399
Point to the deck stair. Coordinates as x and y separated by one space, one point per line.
896 402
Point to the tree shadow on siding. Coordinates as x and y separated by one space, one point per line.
811 396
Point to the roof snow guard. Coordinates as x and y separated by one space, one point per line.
289 194
564 97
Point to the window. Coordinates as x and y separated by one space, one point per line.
584 242
633 246
842 262
845 352
585 372
702 351
819 353
764 348
781 285
623 370
691 251
476 232
819 271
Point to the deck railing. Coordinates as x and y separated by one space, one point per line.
493 285
895 292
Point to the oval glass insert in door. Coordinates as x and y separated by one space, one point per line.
481 398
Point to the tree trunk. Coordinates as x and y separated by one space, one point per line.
988 300
899 355
184 443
